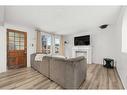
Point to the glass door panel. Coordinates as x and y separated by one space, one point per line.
17 47
21 47
17 35
22 43
16 43
11 46
22 39
17 39
11 34
11 38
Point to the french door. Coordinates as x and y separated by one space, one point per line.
16 49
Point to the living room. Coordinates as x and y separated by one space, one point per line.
59 26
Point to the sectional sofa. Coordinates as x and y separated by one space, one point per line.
68 73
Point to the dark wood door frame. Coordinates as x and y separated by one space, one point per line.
19 53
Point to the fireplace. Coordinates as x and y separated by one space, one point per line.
82 51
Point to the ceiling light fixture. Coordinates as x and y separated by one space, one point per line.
103 26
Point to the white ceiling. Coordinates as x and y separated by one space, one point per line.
62 19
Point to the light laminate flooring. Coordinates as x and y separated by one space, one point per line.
98 77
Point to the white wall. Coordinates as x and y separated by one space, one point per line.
31 34
121 56
102 43
1 15
3 49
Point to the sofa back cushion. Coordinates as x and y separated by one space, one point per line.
57 70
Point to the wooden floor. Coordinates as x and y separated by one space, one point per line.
98 77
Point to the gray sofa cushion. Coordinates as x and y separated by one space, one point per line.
45 65
57 70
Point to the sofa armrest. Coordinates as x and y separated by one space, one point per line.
75 72
80 72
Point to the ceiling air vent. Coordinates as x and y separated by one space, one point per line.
103 26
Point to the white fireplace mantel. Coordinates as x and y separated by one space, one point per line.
83 49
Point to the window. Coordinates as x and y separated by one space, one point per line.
50 43
46 43
57 44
